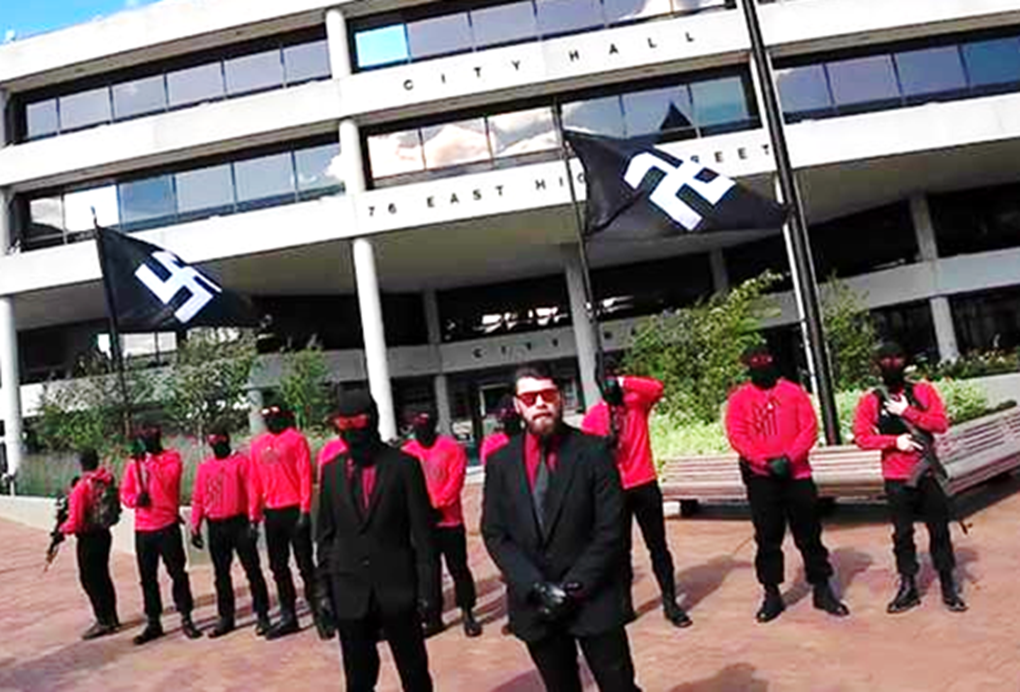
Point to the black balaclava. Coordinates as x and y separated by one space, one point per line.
151 437
612 392
277 419
424 426
761 367
362 442
892 363
219 440
508 418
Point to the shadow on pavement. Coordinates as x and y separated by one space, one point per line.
58 670
737 677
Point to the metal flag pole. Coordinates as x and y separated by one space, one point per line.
111 312
805 282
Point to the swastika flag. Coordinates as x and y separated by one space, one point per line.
152 289
638 192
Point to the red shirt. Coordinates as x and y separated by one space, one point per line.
330 451
161 478
367 481
634 445
284 464
897 465
766 423
533 454
225 488
492 443
79 502
444 465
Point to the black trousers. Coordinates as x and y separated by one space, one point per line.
226 537
645 503
359 646
928 503
451 544
774 504
607 655
282 534
94 573
167 544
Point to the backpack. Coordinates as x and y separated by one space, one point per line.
104 507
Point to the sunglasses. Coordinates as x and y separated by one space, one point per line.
549 396
358 422
271 411
892 361
759 361
214 440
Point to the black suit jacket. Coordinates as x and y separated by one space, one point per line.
387 551
583 541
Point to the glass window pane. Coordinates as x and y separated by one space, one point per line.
253 72
601 116
381 46
166 342
992 62
395 153
46 216
318 168
143 202
504 23
439 36
930 71
450 144
78 208
266 179
140 96
41 118
523 132
658 110
206 189
567 16
138 344
863 80
195 84
719 102
85 108
687 6
625 10
803 89
306 62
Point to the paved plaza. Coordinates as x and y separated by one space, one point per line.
929 649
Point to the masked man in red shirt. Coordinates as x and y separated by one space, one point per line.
891 419
226 495
622 416
152 487
445 464
510 424
772 426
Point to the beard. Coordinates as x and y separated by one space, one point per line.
544 426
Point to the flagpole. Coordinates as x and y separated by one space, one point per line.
111 312
806 283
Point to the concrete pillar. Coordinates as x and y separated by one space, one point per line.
941 314
10 377
720 278
584 332
256 426
376 362
336 39
440 384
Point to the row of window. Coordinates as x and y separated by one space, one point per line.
223 188
900 78
502 24
677 111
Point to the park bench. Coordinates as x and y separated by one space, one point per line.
981 449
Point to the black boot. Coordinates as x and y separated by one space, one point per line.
825 599
772 605
288 624
153 630
906 597
950 595
223 626
471 626
188 627
262 624
433 626
98 629
674 613
324 624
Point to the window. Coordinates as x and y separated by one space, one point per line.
84 108
439 36
859 81
139 97
911 326
195 84
317 169
987 321
696 5
626 10
256 72
79 207
600 116
748 260
306 61
567 16
146 203
930 71
720 105
804 91
46 221
455 143
395 153
522 132
264 181
867 241
667 110
383 46
205 191
504 24
994 62
981 220
41 118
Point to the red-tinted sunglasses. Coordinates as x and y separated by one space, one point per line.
892 362
549 396
214 440
358 422
760 360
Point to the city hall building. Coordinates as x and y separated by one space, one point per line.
386 175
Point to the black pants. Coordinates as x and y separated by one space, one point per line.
451 544
774 504
928 503
359 646
94 572
227 536
281 533
607 654
645 503
150 546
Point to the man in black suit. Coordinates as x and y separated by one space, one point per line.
374 535
553 522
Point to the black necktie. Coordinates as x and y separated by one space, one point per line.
541 488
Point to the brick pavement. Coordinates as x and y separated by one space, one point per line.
41 617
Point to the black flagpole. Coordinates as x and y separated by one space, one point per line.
111 312
804 270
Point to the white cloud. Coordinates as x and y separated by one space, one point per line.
9 35
131 4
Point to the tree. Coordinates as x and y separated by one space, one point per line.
303 386
850 335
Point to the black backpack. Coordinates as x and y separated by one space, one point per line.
104 508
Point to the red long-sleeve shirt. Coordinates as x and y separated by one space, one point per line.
330 451
225 488
444 465
492 444
762 424
634 446
897 465
79 502
284 464
161 478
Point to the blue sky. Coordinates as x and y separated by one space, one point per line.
29 17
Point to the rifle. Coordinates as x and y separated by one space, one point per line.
62 509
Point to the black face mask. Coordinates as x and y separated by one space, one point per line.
612 392
152 441
425 433
894 378
221 450
277 423
764 377
362 444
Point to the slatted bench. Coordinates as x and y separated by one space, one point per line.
981 449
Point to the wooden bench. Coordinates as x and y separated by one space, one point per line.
981 449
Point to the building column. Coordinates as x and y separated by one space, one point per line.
720 277
336 40
584 330
256 402
10 377
941 314
440 384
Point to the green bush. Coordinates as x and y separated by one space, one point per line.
977 364
849 334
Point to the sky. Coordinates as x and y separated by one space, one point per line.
24 18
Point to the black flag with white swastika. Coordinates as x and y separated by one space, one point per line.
151 289
639 192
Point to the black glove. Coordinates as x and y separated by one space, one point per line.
143 500
304 522
326 617
253 533
436 515
196 540
56 537
779 467
553 601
